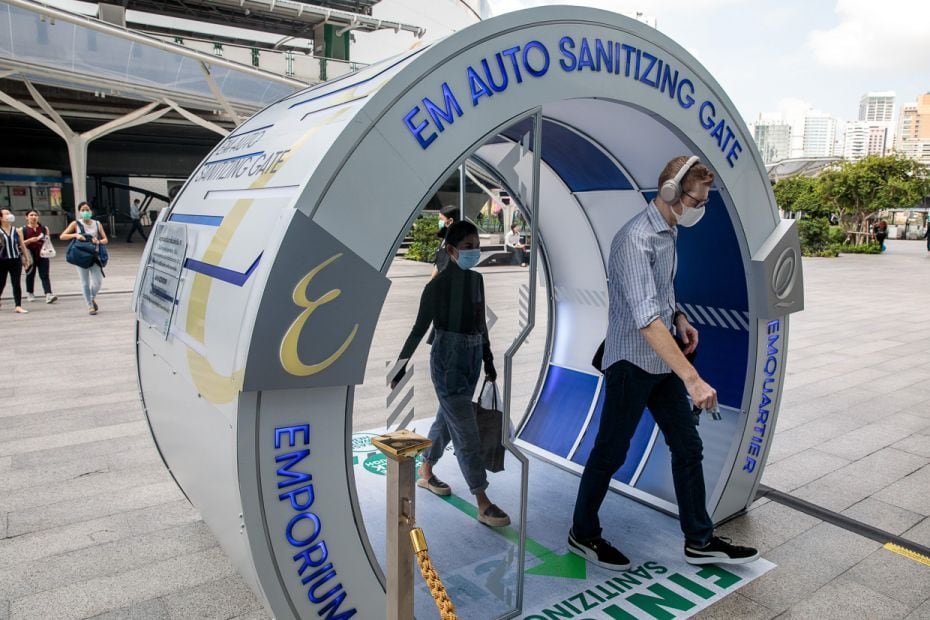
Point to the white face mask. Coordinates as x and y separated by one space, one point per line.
689 217
10 218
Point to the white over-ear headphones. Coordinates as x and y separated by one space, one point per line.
670 191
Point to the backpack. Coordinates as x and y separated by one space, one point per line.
82 254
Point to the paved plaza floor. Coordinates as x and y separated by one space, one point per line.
92 525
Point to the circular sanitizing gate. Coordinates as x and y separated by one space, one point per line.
259 294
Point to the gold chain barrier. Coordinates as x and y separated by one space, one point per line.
431 577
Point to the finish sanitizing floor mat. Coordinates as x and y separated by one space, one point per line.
479 565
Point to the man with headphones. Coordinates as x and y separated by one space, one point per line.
644 365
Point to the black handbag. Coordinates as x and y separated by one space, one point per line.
490 430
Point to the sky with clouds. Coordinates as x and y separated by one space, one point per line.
770 55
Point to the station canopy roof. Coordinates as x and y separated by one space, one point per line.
61 49
294 18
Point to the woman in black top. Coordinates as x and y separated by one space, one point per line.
13 257
453 302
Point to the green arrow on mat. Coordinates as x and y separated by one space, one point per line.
567 565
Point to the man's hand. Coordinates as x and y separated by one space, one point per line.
702 395
688 334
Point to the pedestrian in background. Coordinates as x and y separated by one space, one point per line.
88 229
13 257
34 235
881 233
135 214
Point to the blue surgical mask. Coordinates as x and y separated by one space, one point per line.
468 258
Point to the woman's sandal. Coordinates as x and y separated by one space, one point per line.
494 517
435 485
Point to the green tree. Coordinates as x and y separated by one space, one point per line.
800 194
856 190
424 241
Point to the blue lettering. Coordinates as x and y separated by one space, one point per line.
707 122
629 49
303 516
718 132
314 597
316 574
644 78
512 53
670 81
333 606
526 61
443 114
293 494
733 155
417 130
296 477
584 56
477 87
604 55
726 140
688 100
772 350
750 465
487 72
639 58
291 432
307 556
565 45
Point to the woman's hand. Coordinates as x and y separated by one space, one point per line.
79 238
490 372
95 240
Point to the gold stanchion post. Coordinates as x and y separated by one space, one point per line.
401 448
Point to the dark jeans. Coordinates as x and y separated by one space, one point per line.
629 390
41 265
13 267
136 225
518 255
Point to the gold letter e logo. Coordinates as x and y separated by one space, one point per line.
290 358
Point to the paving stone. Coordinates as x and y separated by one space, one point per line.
84 485
846 599
810 434
4 610
882 515
101 560
104 504
78 452
893 575
110 390
768 526
921 613
805 563
799 469
39 424
915 444
865 440
920 533
735 606
60 440
910 493
846 486
61 540
223 598
152 609
6 463
258 614
101 594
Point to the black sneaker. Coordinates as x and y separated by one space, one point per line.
720 550
598 551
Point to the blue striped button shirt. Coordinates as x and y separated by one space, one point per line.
641 288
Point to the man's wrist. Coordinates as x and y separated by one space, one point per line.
679 315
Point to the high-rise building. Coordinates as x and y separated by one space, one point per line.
819 135
877 107
773 138
913 136
864 138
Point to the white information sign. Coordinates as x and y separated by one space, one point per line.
163 276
